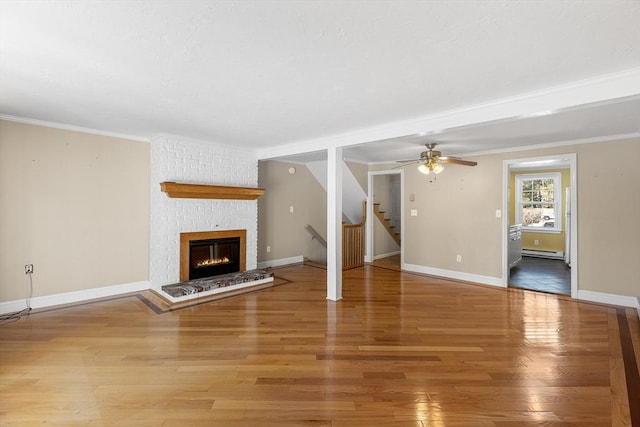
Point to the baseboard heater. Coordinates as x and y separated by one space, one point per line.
543 254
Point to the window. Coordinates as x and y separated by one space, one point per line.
538 200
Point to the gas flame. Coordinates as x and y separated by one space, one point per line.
212 261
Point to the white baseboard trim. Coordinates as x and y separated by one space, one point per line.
613 299
388 254
457 275
75 296
282 261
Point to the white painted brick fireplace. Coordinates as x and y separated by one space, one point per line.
196 162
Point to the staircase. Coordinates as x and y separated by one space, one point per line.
352 242
386 223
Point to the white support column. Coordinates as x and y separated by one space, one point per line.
334 224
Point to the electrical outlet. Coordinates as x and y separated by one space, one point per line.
268 249
28 269
459 258
290 209
536 242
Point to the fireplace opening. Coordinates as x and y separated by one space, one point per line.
212 257
211 253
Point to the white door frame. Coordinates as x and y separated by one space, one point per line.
573 251
370 218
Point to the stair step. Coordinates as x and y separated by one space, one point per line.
386 222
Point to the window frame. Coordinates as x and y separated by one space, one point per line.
557 200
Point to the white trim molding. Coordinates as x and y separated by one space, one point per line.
72 128
523 176
457 275
605 298
74 296
561 143
282 261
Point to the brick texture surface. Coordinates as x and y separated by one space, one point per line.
195 162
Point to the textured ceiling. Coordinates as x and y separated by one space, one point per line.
261 74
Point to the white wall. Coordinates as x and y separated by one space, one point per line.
196 162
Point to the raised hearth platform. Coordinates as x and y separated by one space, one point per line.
192 289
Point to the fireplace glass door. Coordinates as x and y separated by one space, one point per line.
213 257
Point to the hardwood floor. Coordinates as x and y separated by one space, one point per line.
399 350
392 262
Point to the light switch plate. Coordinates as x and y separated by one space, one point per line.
414 212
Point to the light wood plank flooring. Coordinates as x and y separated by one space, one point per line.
399 350
392 262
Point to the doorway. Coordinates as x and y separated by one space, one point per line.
537 198
385 213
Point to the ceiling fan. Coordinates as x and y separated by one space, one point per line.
432 160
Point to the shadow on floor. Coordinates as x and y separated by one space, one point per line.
544 275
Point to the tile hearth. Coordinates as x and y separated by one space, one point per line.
198 288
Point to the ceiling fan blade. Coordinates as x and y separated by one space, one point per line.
457 161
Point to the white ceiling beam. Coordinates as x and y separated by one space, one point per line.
598 89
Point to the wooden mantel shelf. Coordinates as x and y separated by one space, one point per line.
199 191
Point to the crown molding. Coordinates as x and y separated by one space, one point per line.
73 128
564 143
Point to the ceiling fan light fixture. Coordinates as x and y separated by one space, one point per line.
430 166
432 160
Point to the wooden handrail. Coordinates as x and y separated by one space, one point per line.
316 235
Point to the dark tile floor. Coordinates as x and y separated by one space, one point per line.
539 274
